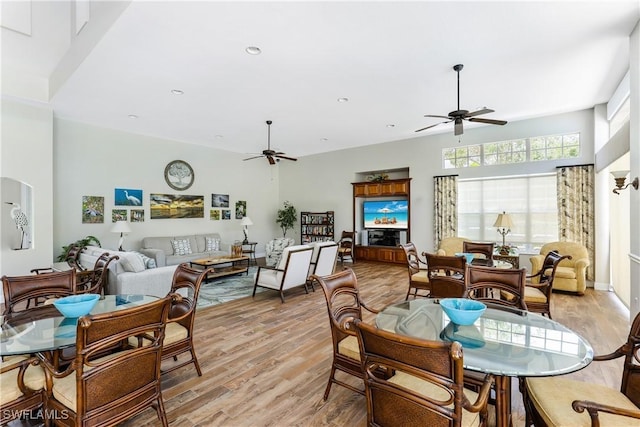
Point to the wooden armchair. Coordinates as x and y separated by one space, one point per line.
537 292
343 305
73 260
501 286
22 384
95 281
417 269
446 275
552 401
485 250
20 290
105 391
346 243
426 386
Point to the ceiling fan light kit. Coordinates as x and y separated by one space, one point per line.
271 155
459 115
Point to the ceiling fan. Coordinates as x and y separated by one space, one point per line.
270 154
459 115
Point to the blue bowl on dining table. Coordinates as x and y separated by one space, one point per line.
76 305
467 255
462 311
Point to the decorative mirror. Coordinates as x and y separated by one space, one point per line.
179 175
17 214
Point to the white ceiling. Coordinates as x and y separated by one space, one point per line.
392 60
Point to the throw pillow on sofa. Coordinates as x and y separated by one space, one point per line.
212 244
181 247
147 261
131 262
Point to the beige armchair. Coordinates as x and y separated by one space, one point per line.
570 273
450 245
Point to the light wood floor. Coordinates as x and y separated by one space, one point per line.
266 363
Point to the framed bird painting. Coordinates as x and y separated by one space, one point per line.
127 197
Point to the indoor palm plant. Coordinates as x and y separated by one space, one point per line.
287 216
80 243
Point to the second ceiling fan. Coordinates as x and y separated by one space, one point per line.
271 155
459 115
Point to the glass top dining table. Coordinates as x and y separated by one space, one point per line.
505 342
44 328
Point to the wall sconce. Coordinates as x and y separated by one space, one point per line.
620 177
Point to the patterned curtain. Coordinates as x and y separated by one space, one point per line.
576 208
445 220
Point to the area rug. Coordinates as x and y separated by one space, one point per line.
230 288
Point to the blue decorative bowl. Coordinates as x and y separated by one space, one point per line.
76 305
466 255
462 311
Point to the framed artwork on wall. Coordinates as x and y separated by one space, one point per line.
241 209
173 206
118 215
127 197
226 213
178 175
92 209
137 215
219 200
214 214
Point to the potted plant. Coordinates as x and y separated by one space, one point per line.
80 243
287 216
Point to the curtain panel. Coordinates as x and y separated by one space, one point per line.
445 220
576 208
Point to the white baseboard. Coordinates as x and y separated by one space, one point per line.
600 286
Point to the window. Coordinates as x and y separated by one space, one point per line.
529 200
532 149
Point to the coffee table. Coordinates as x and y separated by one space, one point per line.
220 265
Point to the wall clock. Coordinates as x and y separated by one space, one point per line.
179 175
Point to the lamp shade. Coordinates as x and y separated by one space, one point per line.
620 174
503 221
121 227
246 221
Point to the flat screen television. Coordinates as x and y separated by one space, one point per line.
391 214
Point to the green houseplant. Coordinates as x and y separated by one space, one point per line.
81 243
287 216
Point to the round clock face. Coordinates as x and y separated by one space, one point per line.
179 175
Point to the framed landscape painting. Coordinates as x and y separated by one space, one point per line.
173 206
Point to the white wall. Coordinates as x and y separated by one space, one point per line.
332 173
93 161
25 155
634 142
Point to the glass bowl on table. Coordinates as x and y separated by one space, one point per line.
462 311
467 255
76 305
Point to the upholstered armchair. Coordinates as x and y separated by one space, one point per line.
274 248
570 273
450 245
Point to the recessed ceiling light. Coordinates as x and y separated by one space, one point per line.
253 50
343 99
133 116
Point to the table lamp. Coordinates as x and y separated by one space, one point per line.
246 222
503 224
121 227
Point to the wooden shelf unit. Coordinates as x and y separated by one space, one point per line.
381 189
316 226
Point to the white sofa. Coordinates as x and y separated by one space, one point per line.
132 273
165 251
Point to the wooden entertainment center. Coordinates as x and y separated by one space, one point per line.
381 189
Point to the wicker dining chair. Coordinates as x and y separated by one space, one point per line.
343 305
539 287
446 275
19 291
417 269
490 284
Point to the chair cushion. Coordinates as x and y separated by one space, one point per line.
420 276
33 379
552 398
427 388
349 347
173 332
532 294
565 273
